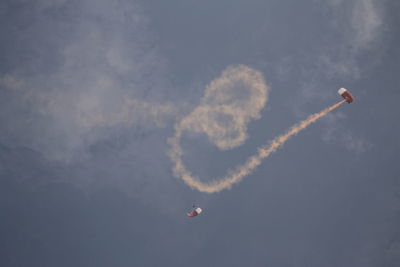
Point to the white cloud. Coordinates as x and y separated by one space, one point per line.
360 28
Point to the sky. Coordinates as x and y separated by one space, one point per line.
92 91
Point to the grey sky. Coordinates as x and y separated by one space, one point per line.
90 92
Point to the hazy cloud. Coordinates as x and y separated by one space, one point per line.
93 69
360 25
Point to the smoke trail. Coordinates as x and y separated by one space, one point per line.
241 171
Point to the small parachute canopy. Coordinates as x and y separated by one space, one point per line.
346 95
194 212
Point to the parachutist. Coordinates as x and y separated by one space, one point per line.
346 95
194 212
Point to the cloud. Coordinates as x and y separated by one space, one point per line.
89 70
367 22
356 144
91 108
336 133
359 24
11 82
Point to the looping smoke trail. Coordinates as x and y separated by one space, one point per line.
241 171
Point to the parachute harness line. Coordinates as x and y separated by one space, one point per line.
243 170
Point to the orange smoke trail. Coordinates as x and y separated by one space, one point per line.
241 171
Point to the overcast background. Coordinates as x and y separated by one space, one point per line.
90 91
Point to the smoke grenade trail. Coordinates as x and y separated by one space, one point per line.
240 171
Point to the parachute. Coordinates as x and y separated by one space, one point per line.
346 95
194 212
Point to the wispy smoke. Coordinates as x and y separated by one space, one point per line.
89 109
210 118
